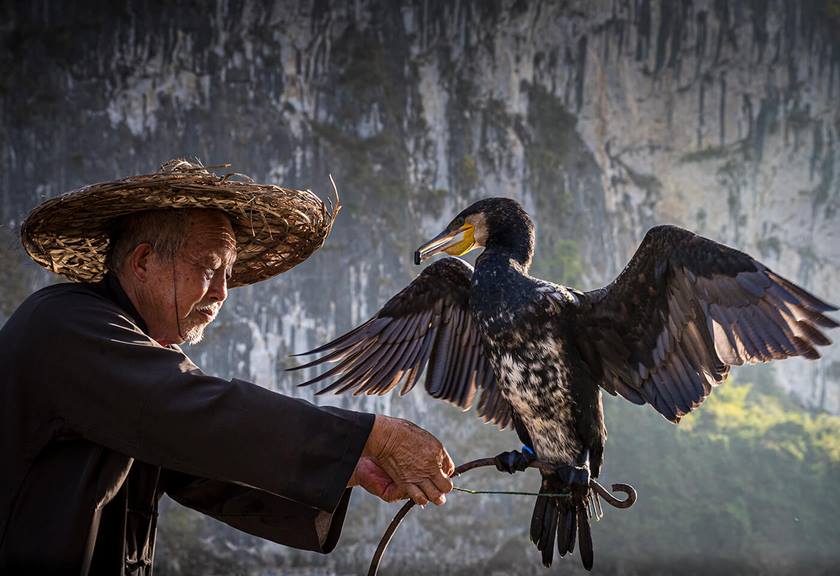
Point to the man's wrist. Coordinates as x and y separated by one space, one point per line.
378 438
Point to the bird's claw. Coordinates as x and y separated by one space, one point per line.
513 461
574 476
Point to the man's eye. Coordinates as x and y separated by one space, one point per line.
209 273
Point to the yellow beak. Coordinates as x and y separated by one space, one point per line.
453 242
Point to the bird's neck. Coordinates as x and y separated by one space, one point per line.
515 241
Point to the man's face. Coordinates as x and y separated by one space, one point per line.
186 293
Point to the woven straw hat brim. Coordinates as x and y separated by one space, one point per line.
276 228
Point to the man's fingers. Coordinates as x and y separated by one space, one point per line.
393 493
443 483
416 494
448 466
432 493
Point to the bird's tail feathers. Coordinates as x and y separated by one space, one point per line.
561 518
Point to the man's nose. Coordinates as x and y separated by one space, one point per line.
218 288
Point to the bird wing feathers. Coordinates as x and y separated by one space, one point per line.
686 308
428 321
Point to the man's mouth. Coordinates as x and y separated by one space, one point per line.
207 311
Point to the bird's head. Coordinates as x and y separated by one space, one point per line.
490 222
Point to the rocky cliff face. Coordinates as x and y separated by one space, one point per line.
602 117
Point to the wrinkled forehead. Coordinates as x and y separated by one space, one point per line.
210 231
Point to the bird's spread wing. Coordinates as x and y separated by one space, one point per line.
683 310
428 321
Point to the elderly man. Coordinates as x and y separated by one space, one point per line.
102 413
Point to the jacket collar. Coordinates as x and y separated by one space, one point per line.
114 292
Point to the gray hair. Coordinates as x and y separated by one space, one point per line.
165 230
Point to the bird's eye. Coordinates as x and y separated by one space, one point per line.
458 222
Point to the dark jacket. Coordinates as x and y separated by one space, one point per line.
99 421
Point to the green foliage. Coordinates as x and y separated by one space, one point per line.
767 422
747 481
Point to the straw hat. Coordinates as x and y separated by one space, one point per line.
276 228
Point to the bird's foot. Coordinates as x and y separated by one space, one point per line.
576 477
515 461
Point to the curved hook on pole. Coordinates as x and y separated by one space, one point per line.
610 499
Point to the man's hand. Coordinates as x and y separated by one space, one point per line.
401 460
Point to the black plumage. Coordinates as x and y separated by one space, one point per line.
538 354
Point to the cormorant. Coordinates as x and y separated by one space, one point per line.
538 354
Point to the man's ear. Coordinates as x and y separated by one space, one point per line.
139 260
